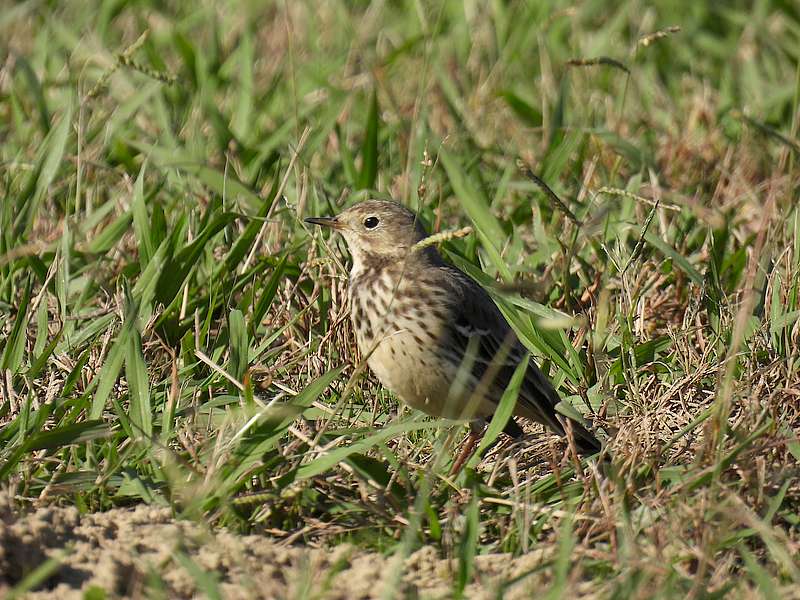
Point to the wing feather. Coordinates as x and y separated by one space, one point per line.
477 323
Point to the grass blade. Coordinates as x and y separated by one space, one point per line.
140 415
369 150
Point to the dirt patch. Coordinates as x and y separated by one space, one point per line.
134 552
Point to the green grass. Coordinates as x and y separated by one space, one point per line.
172 333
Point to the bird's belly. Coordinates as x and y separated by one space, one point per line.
404 350
421 378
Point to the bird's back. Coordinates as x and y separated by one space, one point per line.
476 322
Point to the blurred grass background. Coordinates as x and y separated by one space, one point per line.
172 333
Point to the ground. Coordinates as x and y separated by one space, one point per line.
119 551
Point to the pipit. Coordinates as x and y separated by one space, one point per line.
431 334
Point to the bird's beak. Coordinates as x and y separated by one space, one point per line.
331 222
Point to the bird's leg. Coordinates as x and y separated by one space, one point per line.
475 433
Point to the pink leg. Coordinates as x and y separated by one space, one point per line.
466 452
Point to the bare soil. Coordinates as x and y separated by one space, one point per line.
143 550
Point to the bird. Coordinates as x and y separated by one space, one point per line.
431 334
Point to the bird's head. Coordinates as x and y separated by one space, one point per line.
376 230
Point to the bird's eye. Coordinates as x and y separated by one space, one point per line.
371 222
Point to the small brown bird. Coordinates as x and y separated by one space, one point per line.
430 333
